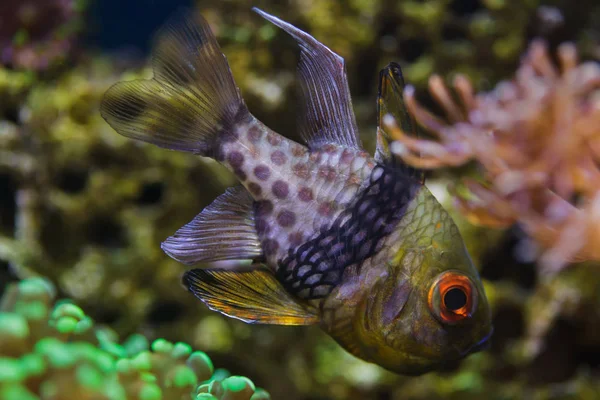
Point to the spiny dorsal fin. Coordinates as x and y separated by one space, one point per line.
327 115
390 100
190 101
253 296
222 231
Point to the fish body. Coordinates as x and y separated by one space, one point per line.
339 238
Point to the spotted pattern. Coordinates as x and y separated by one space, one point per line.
273 139
326 208
301 170
347 156
298 151
254 134
296 191
295 239
241 175
262 172
286 218
280 189
327 172
270 245
305 194
235 159
278 157
263 208
254 188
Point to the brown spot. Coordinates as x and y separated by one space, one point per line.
254 188
280 189
370 164
301 170
240 174
328 173
273 138
347 156
326 209
329 148
262 172
363 154
354 179
315 158
305 194
235 159
278 157
254 134
298 151
270 246
263 208
262 226
295 239
286 218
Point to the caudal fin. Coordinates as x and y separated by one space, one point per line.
192 100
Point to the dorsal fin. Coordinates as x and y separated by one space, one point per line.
390 100
222 231
253 296
327 115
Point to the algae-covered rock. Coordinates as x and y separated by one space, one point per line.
55 351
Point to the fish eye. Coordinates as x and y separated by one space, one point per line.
455 299
452 297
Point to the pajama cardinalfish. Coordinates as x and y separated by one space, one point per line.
354 243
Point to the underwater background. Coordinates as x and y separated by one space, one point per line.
86 209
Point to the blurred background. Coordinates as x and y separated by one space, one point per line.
87 208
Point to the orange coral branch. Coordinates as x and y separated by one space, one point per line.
537 139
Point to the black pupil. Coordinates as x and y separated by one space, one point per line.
455 299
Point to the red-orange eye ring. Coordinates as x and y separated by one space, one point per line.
452 297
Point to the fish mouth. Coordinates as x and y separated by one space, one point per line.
483 344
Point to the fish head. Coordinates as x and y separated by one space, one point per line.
426 305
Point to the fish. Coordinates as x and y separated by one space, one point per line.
352 242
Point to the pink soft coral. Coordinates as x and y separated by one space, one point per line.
537 141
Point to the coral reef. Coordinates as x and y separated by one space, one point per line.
57 352
38 34
536 140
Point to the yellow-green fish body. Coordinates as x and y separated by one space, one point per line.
354 243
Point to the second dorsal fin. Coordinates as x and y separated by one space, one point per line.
327 115
390 100
222 231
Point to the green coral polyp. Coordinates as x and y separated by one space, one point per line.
49 353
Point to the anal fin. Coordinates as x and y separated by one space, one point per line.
222 231
253 296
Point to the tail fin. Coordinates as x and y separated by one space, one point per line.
192 98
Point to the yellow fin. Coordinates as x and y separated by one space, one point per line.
253 296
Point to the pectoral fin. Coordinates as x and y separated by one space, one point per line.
253 296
